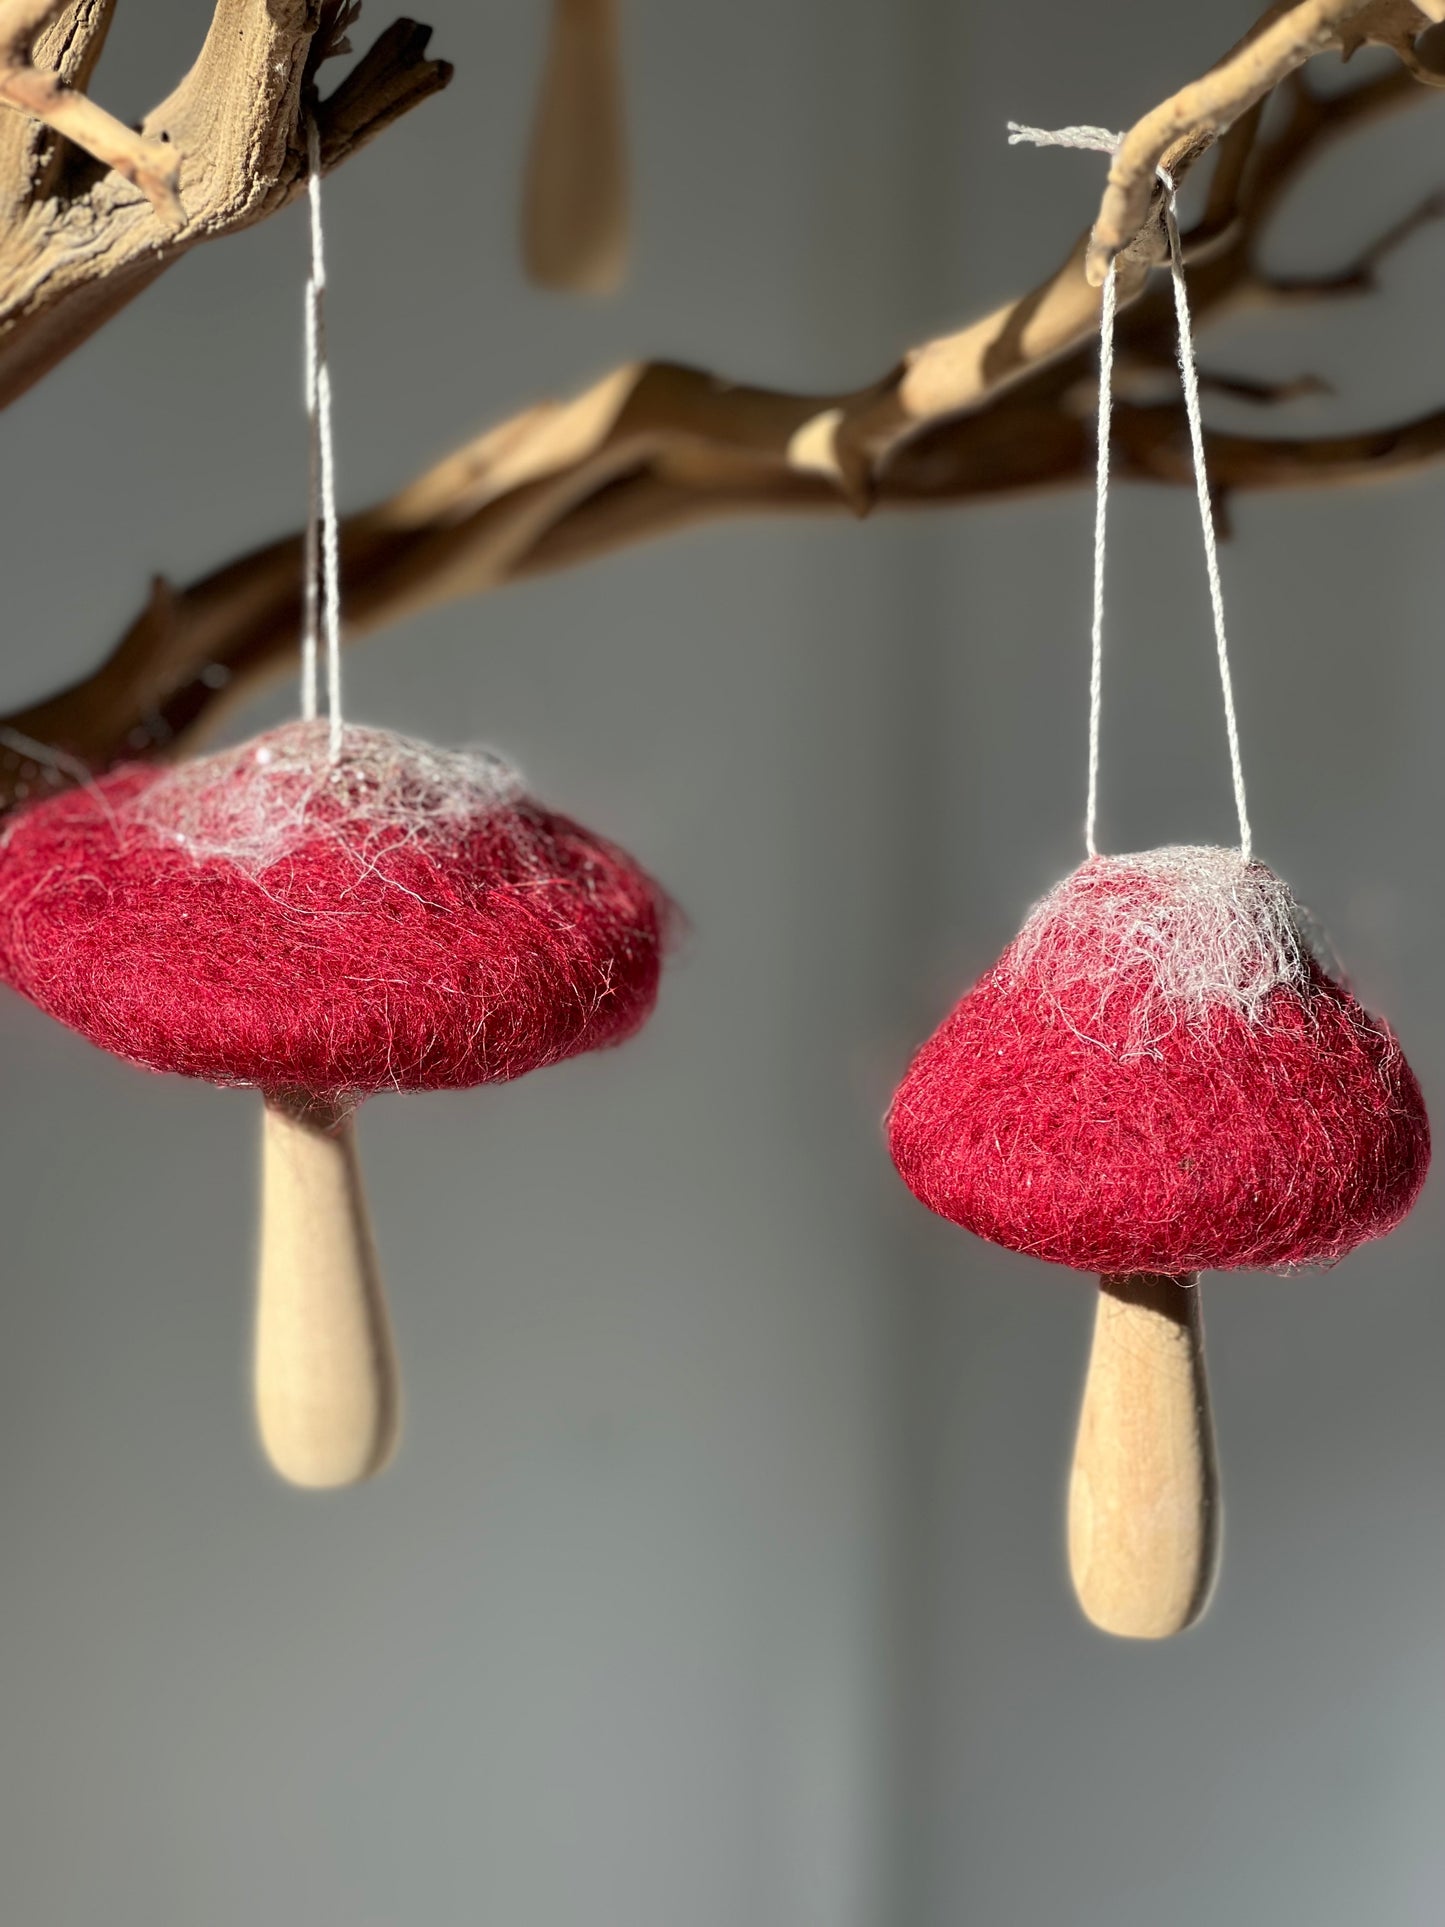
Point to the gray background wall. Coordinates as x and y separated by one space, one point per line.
720 1580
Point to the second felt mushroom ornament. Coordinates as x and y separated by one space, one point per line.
1157 1079
326 912
1160 1077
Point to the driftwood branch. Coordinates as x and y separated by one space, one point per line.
80 238
1003 406
1182 128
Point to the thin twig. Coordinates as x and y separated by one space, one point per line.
150 165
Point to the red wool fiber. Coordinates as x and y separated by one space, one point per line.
1158 1076
404 920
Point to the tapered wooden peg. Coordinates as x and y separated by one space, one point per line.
326 1381
1144 1507
574 209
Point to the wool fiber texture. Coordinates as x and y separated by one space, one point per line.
404 918
1159 1075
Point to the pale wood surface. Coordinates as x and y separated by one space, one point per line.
327 1390
1144 1508
77 245
1185 126
574 213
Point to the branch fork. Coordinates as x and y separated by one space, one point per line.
151 165
76 247
1183 128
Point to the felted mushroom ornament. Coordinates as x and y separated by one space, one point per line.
1159 1077
325 912
321 914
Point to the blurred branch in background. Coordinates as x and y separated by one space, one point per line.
1004 406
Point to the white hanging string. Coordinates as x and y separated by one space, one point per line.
1189 374
1101 140
311 560
1107 307
322 590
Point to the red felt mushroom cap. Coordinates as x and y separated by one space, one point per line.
403 918
1159 1076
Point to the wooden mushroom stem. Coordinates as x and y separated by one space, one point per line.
326 1383
574 215
1144 1512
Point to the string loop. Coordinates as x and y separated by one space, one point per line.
1099 139
1107 307
321 601
1189 377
